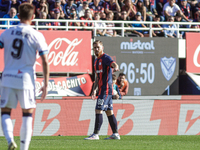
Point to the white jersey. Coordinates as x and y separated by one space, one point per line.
171 10
20 46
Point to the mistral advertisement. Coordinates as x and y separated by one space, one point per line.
66 86
152 115
150 64
69 51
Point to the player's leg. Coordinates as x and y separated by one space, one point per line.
8 101
113 124
26 128
98 123
98 119
27 102
112 120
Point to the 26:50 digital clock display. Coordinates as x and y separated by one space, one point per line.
146 71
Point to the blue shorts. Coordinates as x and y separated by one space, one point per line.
104 102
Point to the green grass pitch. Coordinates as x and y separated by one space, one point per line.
176 142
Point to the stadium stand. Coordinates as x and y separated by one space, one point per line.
186 11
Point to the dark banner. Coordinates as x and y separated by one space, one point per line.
151 64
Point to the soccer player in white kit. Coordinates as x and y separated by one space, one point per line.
21 44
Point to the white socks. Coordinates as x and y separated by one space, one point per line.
26 132
7 127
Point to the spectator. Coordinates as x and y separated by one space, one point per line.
5 6
15 4
63 2
192 2
138 17
11 14
56 6
112 6
170 33
129 8
195 27
185 8
110 32
43 15
198 16
157 33
127 33
160 5
134 2
151 12
99 32
141 8
33 2
117 16
56 16
81 9
122 84
51 3
68 6
79 2
42 7
87 17
178 18
116 92
121 3
96 6
73 16
195 12
170 9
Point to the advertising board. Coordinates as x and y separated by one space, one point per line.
66 86
69 51
192 52
151 65
145 115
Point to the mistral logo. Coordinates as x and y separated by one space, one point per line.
138 45
69 57
195 57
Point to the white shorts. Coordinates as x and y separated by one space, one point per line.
10 98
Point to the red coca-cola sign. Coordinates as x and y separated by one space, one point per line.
192 52
69 51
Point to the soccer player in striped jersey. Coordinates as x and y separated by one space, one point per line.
103 68
21 44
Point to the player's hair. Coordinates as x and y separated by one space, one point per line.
122 74
98 41
26 11
114 77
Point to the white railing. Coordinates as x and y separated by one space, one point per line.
122 28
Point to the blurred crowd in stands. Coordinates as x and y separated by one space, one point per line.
131 10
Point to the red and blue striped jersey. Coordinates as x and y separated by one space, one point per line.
103 70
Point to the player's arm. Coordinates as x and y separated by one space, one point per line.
45 74
1 42
115 66
1 45
94 90
118 92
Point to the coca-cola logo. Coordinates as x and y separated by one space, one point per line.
195 57
68 57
